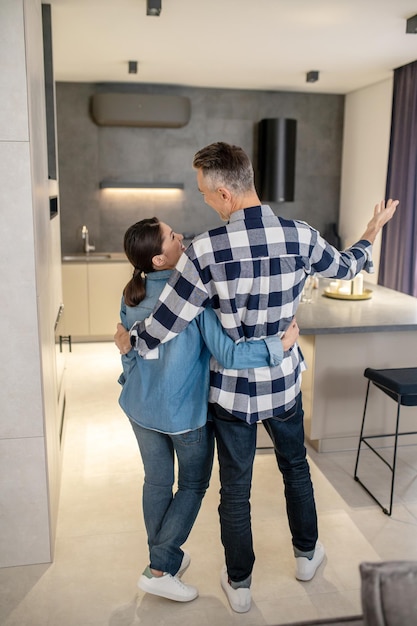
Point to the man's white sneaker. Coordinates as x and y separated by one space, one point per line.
239 599
167 586
185 564
306 568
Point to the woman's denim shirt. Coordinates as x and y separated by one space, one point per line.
168 390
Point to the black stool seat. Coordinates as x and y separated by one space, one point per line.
396 382
400 384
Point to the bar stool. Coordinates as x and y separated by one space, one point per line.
400 384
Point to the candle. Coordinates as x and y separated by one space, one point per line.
345 289
357 287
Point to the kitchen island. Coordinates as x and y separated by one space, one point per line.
339 339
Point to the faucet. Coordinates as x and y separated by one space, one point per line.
87 246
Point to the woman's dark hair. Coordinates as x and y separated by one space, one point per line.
142 242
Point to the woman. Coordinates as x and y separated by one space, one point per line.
165 397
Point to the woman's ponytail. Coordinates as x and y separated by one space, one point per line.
142 242
134 292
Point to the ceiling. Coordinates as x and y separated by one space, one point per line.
234 44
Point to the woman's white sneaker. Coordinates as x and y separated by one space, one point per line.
167 586
306 568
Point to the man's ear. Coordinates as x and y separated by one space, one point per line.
224 193
158 260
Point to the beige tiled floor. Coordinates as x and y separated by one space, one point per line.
101 542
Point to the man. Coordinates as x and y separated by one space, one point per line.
252 271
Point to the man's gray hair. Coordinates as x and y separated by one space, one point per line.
225 165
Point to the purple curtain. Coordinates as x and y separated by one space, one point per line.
398 264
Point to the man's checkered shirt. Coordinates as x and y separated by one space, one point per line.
251 271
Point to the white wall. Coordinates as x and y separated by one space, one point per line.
364 163
29 269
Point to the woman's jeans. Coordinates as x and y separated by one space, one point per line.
236 446
169 517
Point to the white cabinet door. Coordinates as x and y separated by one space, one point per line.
75 296
92 294
106 282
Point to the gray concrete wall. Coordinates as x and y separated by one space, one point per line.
88 153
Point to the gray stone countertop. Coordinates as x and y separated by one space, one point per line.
387 310
94 257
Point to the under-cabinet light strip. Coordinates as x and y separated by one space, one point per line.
110 184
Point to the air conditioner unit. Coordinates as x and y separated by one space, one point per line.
146 110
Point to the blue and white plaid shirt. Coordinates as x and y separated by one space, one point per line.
252 272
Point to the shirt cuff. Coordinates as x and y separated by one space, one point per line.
369 264
276 351
134 336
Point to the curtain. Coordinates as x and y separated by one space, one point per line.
398 263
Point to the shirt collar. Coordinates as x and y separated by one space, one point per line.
159 275
252 212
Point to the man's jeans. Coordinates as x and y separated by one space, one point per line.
236 445
168 517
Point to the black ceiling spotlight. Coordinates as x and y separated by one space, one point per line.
153 7
412 25
312 76
133 67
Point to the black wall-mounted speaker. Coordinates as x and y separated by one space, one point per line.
276 159
411 26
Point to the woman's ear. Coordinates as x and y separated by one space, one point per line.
158 261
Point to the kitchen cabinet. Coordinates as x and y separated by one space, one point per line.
105 285
92 293
75 296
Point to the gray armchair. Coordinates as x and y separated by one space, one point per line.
388 594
